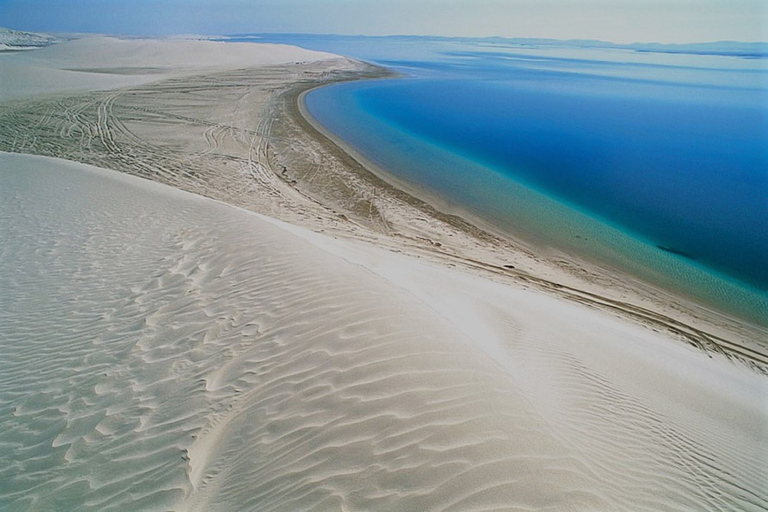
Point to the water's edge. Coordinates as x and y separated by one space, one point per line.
692 281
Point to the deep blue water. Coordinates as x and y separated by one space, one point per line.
669 150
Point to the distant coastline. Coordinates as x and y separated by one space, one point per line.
744 49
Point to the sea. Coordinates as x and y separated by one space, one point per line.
651 159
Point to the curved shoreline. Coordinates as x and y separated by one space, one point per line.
536 219
419 197
462 220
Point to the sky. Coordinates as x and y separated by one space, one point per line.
620 21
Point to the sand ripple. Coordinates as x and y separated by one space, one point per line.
163 352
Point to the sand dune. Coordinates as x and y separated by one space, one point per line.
99 63
162 351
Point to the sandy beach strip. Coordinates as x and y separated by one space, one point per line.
164 350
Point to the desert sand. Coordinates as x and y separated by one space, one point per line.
190 355
309 337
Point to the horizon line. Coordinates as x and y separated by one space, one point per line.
423 36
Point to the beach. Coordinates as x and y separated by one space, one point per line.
250 315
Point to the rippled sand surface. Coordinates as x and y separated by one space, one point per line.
161 351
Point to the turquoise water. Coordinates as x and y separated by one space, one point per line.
653 162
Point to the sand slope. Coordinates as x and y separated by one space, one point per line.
163 351
98 63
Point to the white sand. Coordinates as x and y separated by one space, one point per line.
99 63
164 351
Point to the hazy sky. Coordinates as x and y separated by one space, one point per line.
611 20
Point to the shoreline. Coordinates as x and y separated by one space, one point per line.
612 246
463 220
